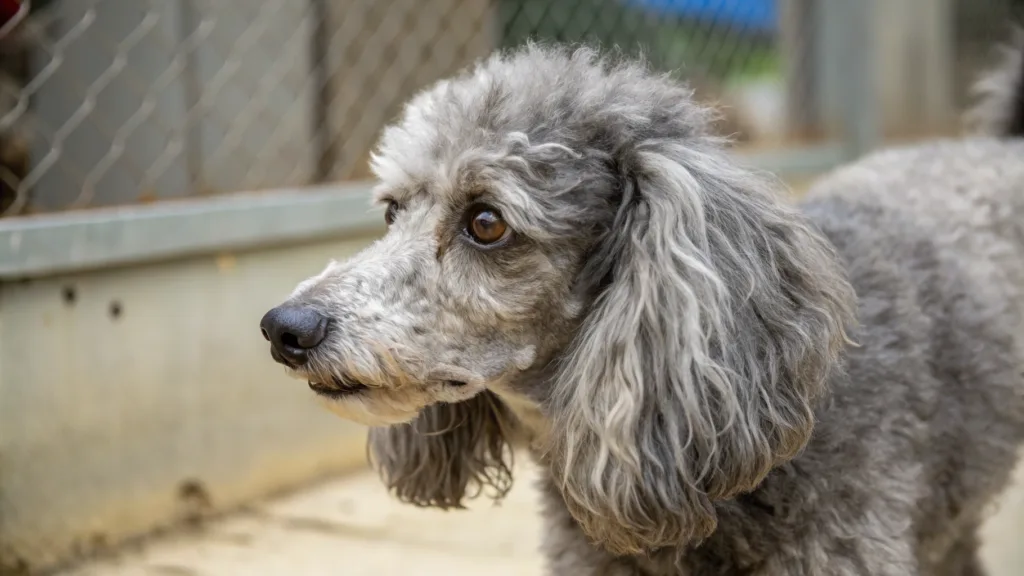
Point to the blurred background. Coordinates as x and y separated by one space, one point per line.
169 169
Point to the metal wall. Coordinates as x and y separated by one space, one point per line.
137 397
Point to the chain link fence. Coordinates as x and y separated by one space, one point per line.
108 102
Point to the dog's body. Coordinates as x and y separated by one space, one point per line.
576 264
923 428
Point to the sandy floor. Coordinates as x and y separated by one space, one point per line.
351 527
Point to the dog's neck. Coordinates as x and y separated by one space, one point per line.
523 396
534 425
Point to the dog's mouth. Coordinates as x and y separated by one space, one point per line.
338 388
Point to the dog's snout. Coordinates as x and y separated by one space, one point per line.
293 331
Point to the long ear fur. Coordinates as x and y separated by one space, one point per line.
695 372
451 452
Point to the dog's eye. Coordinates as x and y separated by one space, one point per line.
391 212
486 227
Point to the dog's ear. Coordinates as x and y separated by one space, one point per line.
450 453
718 315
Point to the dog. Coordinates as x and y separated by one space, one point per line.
713 381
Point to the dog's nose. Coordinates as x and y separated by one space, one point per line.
293 331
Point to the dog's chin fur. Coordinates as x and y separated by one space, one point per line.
716 382
382 406
371 408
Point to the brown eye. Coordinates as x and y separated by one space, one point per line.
486 227
391 212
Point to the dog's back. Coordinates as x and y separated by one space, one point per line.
930 410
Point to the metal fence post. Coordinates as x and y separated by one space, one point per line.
845 79
188 21
799 41
861 120
320 42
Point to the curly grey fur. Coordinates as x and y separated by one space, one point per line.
694 372
670 339
449 453
999 110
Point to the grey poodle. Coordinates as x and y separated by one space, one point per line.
714 382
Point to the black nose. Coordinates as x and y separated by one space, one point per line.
293 331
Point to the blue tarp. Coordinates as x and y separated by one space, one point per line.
749 14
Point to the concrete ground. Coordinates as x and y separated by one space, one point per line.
351 527
347 527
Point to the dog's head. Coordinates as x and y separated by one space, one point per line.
567 240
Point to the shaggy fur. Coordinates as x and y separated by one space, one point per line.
682 352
